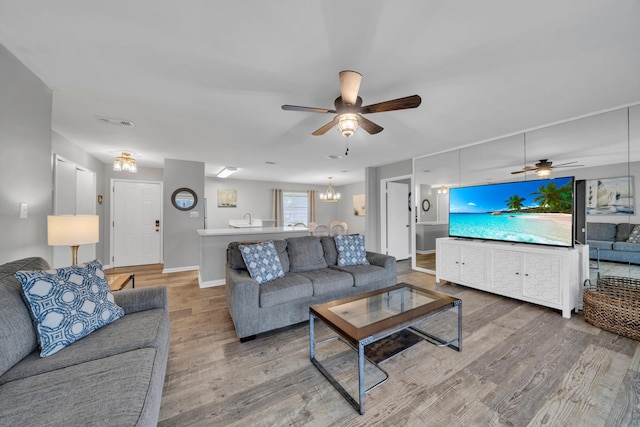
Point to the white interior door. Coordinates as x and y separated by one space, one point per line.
136 223
398 227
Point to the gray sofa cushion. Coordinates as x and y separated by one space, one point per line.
363 274
626 247
623 231
291 287
149 328
237 262
593 244
328 280
601 231
305 254
330 250
109 391
17 334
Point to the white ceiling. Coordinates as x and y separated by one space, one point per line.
204 81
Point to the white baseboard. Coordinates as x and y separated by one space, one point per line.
179 269
210 283
432 251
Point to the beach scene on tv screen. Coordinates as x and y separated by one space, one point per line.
539 211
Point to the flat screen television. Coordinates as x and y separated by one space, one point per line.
538 211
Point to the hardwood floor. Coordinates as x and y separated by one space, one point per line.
427 261
520 365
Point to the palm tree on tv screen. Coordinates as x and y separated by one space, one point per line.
554 199
514 202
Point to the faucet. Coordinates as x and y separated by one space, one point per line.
245 217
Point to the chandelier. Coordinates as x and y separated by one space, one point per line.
125 163
330 195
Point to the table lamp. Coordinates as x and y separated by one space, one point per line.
73 231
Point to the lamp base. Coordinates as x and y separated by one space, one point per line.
74 254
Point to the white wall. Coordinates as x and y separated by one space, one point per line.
65 148
25 150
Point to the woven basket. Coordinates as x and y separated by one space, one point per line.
613 304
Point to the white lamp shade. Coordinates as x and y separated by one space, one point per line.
72 230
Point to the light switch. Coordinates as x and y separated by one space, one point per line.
23 210
194 214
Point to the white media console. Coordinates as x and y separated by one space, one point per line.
544 275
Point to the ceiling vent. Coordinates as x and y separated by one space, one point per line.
115 122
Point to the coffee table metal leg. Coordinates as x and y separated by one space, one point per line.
361 376
459 304
312 339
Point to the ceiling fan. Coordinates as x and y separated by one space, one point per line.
349 109
544 166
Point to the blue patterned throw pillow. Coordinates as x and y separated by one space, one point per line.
262 261
351 250
634 237
68 303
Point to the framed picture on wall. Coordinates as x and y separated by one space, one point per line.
611 196
227 198
358 205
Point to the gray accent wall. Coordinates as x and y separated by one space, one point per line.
25 150
373 176
181 241
345 212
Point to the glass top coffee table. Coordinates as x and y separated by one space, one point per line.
361 320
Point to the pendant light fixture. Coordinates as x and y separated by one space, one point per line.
330 195
125 163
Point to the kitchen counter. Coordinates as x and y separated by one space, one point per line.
248 230
214 242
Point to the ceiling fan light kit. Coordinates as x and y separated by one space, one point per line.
543 172
349 109
347 124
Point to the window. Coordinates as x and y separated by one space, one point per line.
295 206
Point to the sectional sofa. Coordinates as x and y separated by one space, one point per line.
113 376
311 276
609 242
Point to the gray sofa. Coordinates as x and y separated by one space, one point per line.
312 276
113 376
608 242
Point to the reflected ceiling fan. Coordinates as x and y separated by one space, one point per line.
349 109
544 166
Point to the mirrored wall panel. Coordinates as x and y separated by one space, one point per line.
601 152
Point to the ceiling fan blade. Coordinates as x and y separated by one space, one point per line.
526 169
565 164
307 109
369 126
349 86
324 129
395 104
